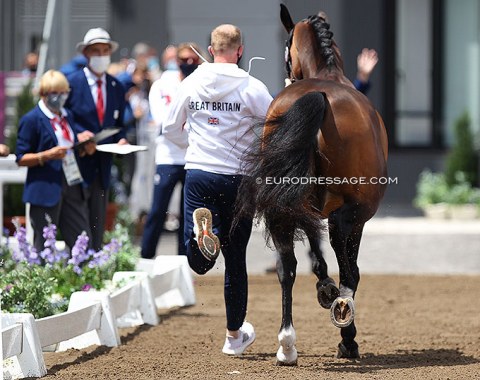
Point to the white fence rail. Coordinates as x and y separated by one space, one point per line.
95 317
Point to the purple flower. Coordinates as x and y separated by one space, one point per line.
24 251
99 259
50 253
86 287
8 288
80 253
50 234
102 257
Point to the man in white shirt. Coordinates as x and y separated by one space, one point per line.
169 157
216 106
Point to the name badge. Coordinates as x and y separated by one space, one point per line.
71 170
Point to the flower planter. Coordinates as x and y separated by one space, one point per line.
437 211
464 212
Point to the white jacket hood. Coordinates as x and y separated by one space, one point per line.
214 81
215 106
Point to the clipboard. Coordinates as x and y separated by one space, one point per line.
100 136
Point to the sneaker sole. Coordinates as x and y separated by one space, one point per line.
207 241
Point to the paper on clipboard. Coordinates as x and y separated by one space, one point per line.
100 136
105 134
120 149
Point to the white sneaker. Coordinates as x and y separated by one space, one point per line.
236 346
207 241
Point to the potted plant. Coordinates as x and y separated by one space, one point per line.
453 193
41 282
432 195
440 201
463 199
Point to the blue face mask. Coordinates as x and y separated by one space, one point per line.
171 65
188 68
153 63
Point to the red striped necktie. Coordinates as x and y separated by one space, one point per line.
100 102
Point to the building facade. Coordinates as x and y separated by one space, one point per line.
427 76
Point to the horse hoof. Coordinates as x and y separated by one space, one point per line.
342 311
348 353
284 364
327 292
287 357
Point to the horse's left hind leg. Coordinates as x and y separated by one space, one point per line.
286 271
327 291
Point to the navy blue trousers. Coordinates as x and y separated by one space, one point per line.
167 177
218 192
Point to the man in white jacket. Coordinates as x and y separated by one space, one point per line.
216 106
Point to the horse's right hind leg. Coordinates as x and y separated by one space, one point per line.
327 291
345 235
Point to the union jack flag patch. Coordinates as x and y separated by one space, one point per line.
213 121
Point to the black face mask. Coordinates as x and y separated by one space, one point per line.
187 68
239 58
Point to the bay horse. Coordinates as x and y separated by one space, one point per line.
322 155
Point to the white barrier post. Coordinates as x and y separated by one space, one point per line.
185 284
107 334
146 302
31 358
180 290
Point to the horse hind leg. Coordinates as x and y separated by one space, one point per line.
286 271
345 236
327 290
348 348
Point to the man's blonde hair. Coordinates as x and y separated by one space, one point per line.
187 46
226 37
53 81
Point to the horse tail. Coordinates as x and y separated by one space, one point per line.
279 168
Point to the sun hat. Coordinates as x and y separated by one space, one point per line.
96 36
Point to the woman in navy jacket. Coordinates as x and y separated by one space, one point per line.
45 145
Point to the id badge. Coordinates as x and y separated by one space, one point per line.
71 170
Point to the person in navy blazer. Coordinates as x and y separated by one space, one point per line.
96 106
45 145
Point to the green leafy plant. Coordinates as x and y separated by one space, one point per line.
30 289
457 185
51 276
13 192
463 192
25 102
462 157
432 188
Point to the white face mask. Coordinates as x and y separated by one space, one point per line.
99 63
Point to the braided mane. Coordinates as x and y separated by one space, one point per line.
324 36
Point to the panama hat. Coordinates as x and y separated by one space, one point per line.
96 36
